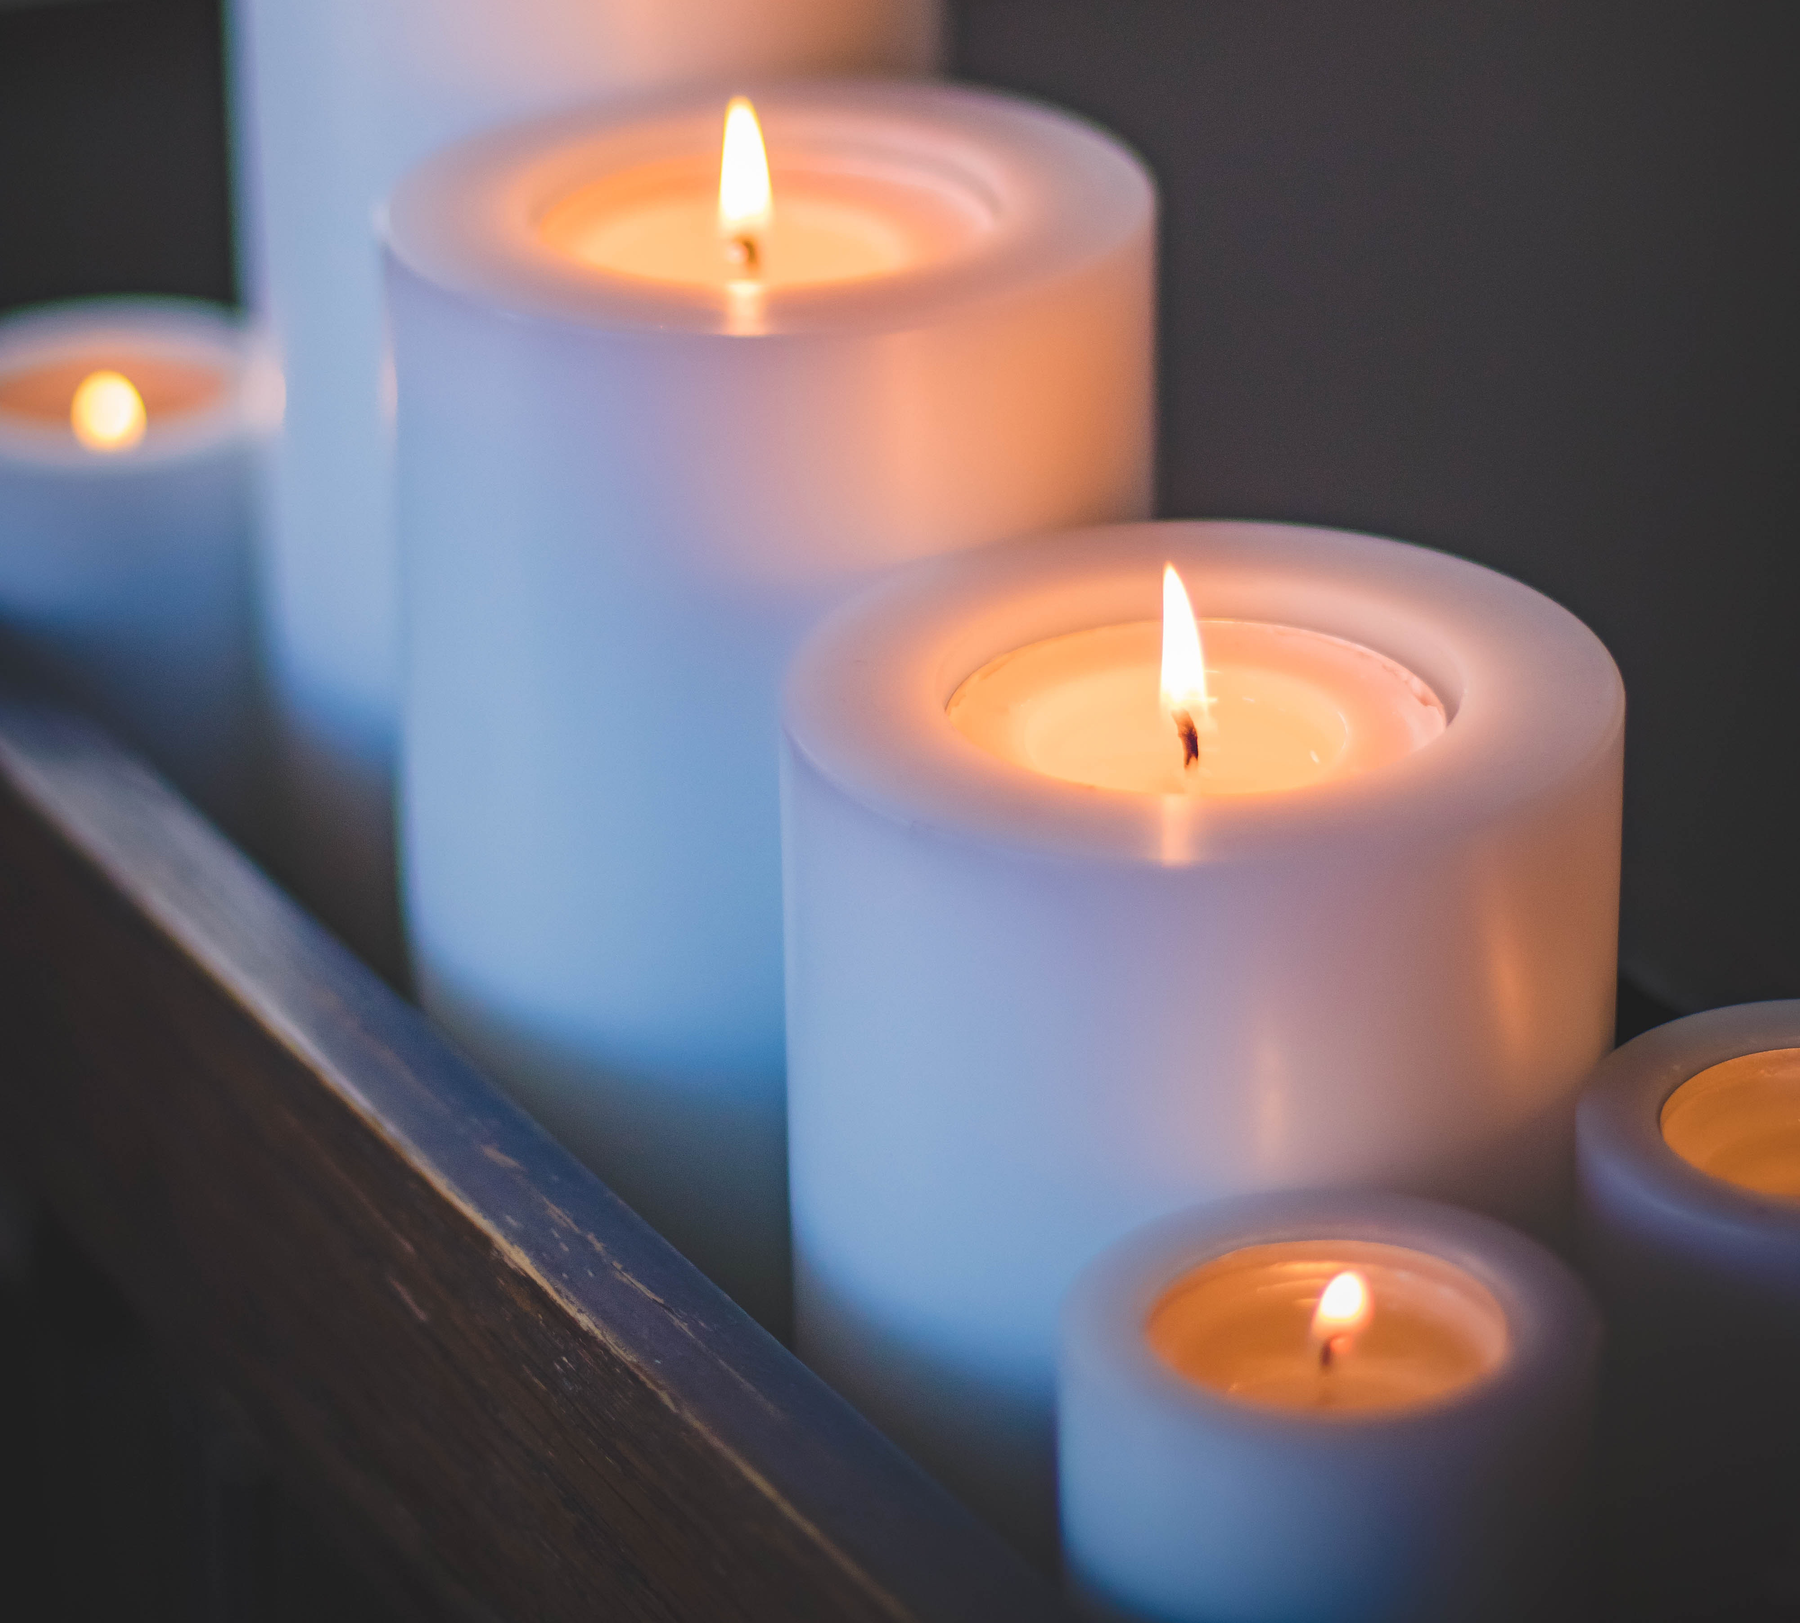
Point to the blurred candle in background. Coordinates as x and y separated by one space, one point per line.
332 101
643 440
1325 1407
1074 941
127 433
1689 1164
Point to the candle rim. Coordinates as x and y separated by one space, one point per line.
1349 1253
1552 1324
190 331
1675 1112
1618 1123
1068 194
865 695
1219 624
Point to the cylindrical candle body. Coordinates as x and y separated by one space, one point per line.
1025 1016
1182 1503
1700 1280
618 517
333 100
125 574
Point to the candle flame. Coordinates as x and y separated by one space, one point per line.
1344 1309
107 413
745 199
1183 663
1184 697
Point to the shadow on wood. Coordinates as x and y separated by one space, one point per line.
426 1306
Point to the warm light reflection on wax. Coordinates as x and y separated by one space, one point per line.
1739 1121
107 413
1146 708
1293 1325
708 219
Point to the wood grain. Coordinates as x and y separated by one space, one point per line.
421 1300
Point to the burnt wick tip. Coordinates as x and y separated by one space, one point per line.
744 252
1190 738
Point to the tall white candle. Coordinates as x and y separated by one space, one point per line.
333 100
1326 1407
633 468
1027 1013
1689 1164
127 432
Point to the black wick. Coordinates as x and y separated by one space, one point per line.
1190 738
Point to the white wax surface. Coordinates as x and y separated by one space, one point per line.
332 101
125 572
1691 1238
1026 1015
625 500
1287 708
1455 1492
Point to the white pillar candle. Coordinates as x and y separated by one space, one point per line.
1229 1446
1689 1164
633 469
1351 945
333 100
127 429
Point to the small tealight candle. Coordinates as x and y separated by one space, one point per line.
1689 1163
127 428
1144 865
1296 1325
672 380
1324 1407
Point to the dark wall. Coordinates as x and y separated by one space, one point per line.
112 150
1514 278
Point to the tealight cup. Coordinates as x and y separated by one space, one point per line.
1688 1155
1325 1407
128 432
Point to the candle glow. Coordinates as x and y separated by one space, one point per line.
746 201
107 413
1344 1310
1739 1121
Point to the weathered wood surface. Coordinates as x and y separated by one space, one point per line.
423 1302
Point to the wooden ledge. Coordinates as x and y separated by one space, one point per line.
424 1303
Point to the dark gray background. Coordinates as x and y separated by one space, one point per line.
1514 278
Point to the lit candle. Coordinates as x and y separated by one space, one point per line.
1325 1407
127 428
1048 977
332 101
1689 1164
649 427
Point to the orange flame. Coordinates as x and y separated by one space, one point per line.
1344 1311
107 413
1183 661
746 202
